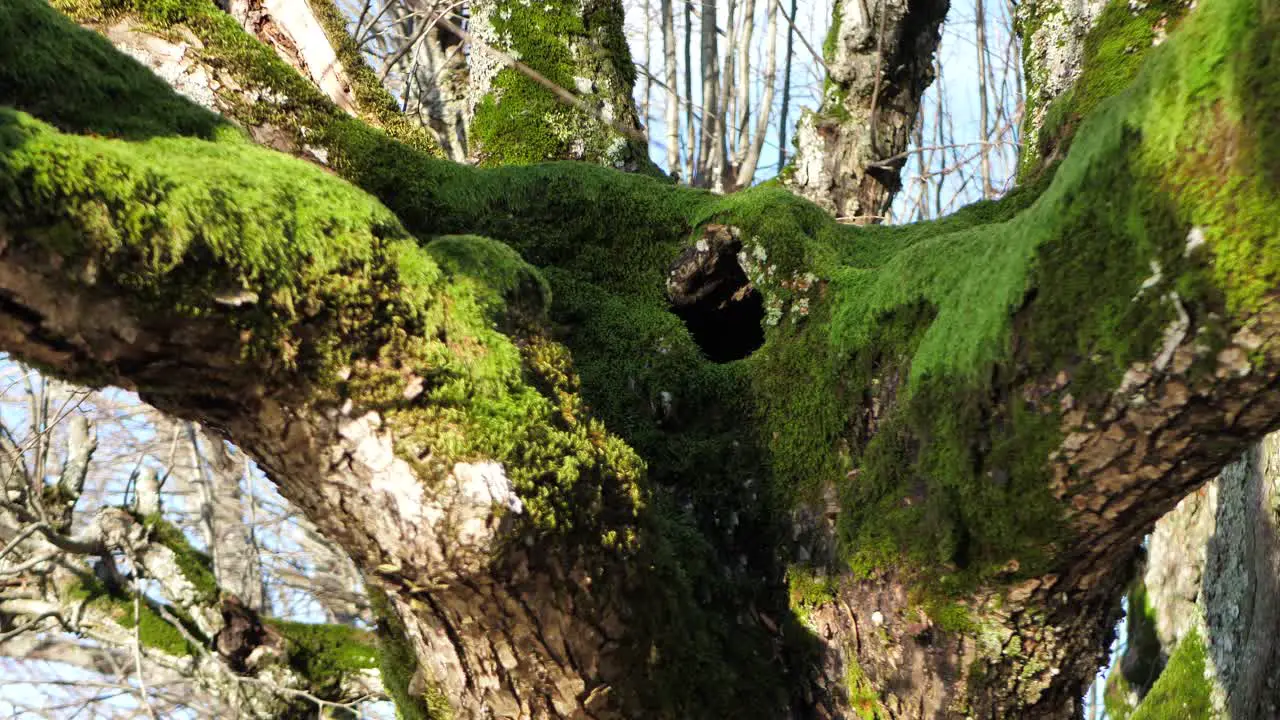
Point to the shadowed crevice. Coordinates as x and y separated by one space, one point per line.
711 293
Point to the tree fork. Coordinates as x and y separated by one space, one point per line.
949 439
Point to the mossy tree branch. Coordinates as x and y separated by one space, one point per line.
990 408
55 587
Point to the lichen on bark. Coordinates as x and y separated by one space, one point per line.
577 45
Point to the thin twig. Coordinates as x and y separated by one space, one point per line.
817 57
137 653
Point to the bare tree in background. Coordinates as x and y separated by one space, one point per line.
105 597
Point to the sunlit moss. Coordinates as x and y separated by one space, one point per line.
945 322
1183 690
326 654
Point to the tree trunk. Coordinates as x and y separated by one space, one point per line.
236 564
576 46
879 56
1208 599
786 89
984 123
437 85
1053 53
755 142
709 128
691 163
672 116
614 448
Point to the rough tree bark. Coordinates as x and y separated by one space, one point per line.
879 57
1203 612
607 447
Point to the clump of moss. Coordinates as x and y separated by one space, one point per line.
862 693
195 566
120 98
579 47
506 283
225 46
154 631
1118 697
808 590
1183 690
326 653
833 33
1115 49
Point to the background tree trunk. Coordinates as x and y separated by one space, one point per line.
879 56
575 46
1207 599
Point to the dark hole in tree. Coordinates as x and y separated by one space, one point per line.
713 296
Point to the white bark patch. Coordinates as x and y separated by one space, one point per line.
482 63
1195 239
297 20
1055 50
1174 333
810 171
467 511
168 60
486 483
457 520
372 451
1154 279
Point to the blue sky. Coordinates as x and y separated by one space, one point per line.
959 89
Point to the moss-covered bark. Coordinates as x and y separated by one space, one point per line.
953 421
578 46
1210 601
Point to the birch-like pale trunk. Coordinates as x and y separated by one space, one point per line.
670 70
755 142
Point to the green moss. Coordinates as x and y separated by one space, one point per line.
950 616
953 329
153 630
518 121
1144 655
116 100
833 32
1117 698
506 283
1114 51
1182 690
289 101
397 664
809 590
863 696
195 566
326 654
